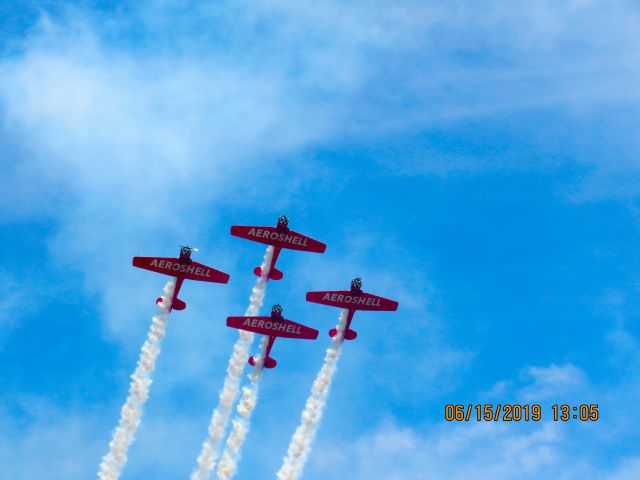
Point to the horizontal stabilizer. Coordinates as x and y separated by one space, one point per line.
176 305
268 363
348 335
274 273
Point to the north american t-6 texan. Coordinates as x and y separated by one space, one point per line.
353 299
183 268
273 326
279 237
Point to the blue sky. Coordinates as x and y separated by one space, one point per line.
476 162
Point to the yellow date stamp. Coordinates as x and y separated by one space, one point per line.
516 412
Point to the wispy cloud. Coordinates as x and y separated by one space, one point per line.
47 431
501 450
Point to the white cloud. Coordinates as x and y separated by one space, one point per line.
121 125
496 450
629 469
476 450
16 300
548 385
553 382
48 442
118 132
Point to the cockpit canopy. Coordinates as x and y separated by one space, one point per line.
276 310
283 224
283 220
185 254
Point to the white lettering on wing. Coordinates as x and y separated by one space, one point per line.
252 232
327 296
247 322
154 263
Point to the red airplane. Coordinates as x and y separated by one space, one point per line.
273 326
183 268
279 237
354 299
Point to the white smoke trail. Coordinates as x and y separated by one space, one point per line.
300 445
229 393
240 424
131 412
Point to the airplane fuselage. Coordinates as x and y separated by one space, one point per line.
274 258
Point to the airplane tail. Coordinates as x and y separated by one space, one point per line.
177 304
274 273
348 334
269 362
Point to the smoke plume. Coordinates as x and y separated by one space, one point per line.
240 424
300 444
131 413
231 386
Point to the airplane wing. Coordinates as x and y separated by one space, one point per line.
171 266
345 299
271 236
269 326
